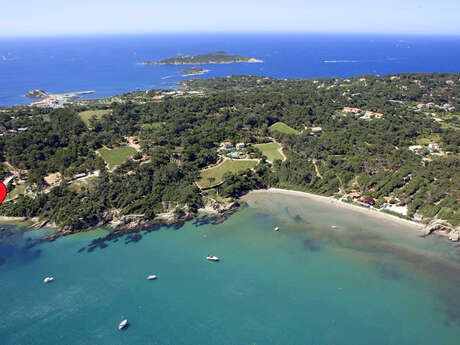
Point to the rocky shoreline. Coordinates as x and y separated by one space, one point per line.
213 212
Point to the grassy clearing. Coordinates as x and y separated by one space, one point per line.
283 128
78 185
86 115
153 125
16 191
270 150
116 156
215 175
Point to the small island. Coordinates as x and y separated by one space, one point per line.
210 58
193 71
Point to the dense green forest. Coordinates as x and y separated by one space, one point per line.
400 142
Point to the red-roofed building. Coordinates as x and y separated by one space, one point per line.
367 201
354 194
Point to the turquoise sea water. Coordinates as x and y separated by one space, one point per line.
366 282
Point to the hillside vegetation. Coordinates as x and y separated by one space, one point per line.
391 139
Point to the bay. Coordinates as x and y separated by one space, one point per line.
366 281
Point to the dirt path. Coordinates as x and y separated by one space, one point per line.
317 170
341 189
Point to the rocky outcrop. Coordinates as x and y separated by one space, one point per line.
173 215
454 235
442 230
37 94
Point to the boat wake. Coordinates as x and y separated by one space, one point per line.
340 61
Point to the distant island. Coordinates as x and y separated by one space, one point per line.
194 71
210 58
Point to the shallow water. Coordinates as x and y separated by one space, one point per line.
366 282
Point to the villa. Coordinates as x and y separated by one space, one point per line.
434 147
316 131
351 110
354 194
226 145
371 114
417 149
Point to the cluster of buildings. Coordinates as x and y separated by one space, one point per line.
418 149
227 145
4 131
431 105
52 103
361 200
363 114
174 93
390 202
232 151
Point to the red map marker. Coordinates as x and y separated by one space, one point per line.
2 192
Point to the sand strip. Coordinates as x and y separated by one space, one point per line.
332 201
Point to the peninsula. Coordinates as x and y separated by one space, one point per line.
388 144
203 59
50 100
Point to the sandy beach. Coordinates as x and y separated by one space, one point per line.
355 208
4 219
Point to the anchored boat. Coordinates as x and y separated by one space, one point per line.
212 258
123 324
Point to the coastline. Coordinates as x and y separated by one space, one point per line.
355 208
218 213
5 219
58 98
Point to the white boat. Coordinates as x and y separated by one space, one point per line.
212 258
151 277
48 279
277 228
123 324
334 227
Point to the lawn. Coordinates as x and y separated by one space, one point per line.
16 191
218 172
116 156
283 128
86 115
270 150
153 125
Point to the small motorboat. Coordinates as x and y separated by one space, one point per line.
151 277
333 226
212 258
48 280
277 228
123 324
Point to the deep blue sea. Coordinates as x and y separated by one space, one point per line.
109 64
